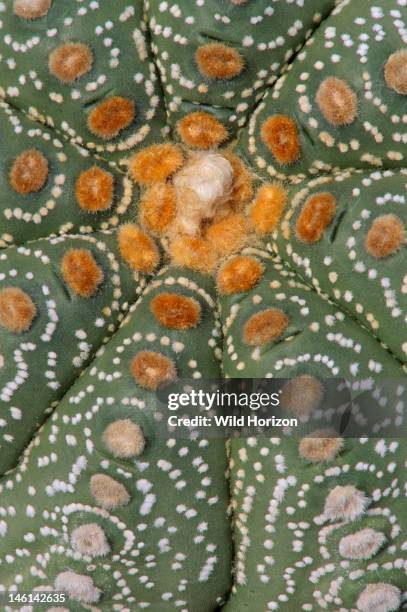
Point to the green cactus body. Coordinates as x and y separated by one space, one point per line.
55 209
120 272
81 326
179 31
292 559
368 287
48 99
172 484
353 46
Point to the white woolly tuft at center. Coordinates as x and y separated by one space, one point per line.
202 188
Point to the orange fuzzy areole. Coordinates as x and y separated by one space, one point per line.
239 274
111 116
266 211
152 370
29 172
138 250
228 235
81 272
217 61
315 216
158 207
280 134
70 61
194 253
265 326
201 130
17 310
155 163
94 190
176 311
385 236
242 186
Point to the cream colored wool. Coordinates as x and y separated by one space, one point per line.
202 189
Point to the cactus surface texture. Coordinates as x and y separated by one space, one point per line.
197 190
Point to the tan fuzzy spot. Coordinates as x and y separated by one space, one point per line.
265 326
385 236
379 597
70 61
176 311
345 503
267 208
17 310
361 545
217 61
94 190
242 184
194 253
111 116
337 101
238 2
158 207
156 163
81 272
302 395
78 587
31 9
320 446
124 439
108 493
90 539
201 130
395 71
229 235
239 274
280 134
138 250
29 172
316 214
152 370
